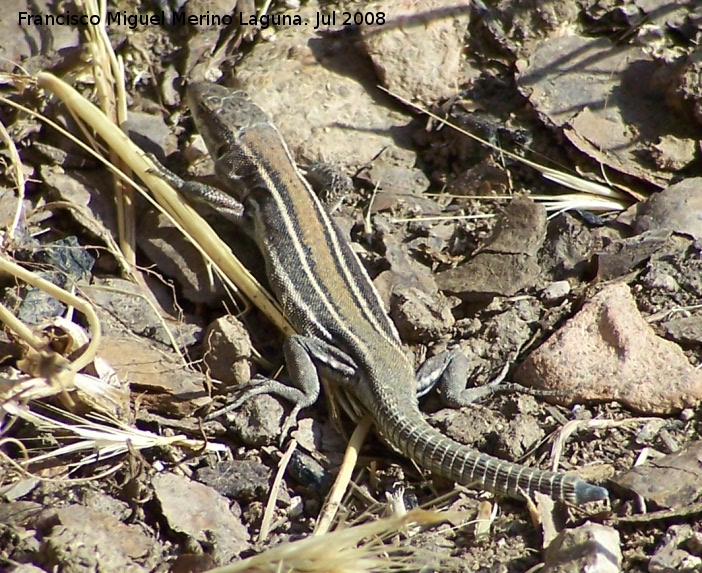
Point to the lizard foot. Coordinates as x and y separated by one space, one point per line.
261 385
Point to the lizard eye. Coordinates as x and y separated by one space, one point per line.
221 150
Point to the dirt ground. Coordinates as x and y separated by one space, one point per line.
552 232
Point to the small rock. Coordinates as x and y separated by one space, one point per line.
308 434
394 171
176 257
521 434
687 330
507 264
150 132
687 414
590 547
556 291
660 280
674 555
669 482
685 89
65 261
420 317
677 208
308 472
297 507
78 538
163 382
124 309
228 351
19 489
673 153
419 56
621 257
473 427
243 480
568 247
649 431
520 229
608 352
199 512
94 204
258 421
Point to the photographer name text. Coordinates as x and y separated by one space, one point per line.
133 21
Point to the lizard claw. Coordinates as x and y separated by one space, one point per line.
262 385
241 394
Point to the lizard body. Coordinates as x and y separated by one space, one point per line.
344 333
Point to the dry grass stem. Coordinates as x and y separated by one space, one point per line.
195 228
333 501
359 549
595 195
108 73
275 489
65 297
104 437
19 179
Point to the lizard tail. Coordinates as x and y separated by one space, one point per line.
411 435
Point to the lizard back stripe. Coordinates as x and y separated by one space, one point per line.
323 247
328 267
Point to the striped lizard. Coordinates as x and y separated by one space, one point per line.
343 331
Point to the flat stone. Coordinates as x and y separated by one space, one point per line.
677 208
668 482
419 56
200 512
78 542
508 263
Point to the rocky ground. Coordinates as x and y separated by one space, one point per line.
555 227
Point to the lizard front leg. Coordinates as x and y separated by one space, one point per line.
202 194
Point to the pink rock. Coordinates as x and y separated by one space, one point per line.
607 352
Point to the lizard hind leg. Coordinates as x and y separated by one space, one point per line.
448 371
302 356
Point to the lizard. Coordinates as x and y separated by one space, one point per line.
343 332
